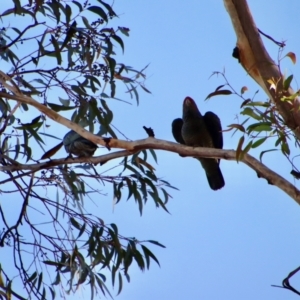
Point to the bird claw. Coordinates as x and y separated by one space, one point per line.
69 156
106 141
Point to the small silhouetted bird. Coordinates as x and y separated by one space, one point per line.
77 145
201 131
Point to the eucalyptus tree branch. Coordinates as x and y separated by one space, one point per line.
3 48
52 114
149 143
18 96
255 59
152 143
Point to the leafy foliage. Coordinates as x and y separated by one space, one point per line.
262 120
65 50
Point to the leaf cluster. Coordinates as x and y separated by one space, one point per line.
65 55
262 120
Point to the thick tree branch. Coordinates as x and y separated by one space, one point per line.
257 62
18 96
132 147
152 143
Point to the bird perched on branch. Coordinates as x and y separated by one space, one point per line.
77 145
196 130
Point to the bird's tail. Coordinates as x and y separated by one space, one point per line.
215 179
213 173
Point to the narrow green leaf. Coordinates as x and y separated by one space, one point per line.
64 102
12 56
258 142
51 263
99 11
246 149
52 292
239 148
16 30
148 254
75 223
70 33
156 243
109 8
115 228
112 88
56 49
113 275
24 106
78 4
153 154
40 281
68 12
218 93
287 82
258 103
285 148
57 107
112 65
258 127
86 22
145 89
139 259
50 135
36 136
264 152
237 126
118 40
219 87
120 284
57 279
3 107
250 112
32 277
82 230
54 5
27 151
135 93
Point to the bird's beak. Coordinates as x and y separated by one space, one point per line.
188 101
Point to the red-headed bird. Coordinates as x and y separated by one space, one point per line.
196 130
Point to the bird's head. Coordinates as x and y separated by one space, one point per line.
189 101
190 108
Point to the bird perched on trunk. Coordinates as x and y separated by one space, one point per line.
196 130
77 145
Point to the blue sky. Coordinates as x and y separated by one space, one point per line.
229 244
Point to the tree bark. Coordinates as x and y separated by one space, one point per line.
259 65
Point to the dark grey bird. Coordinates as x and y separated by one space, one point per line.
201 131
77 145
